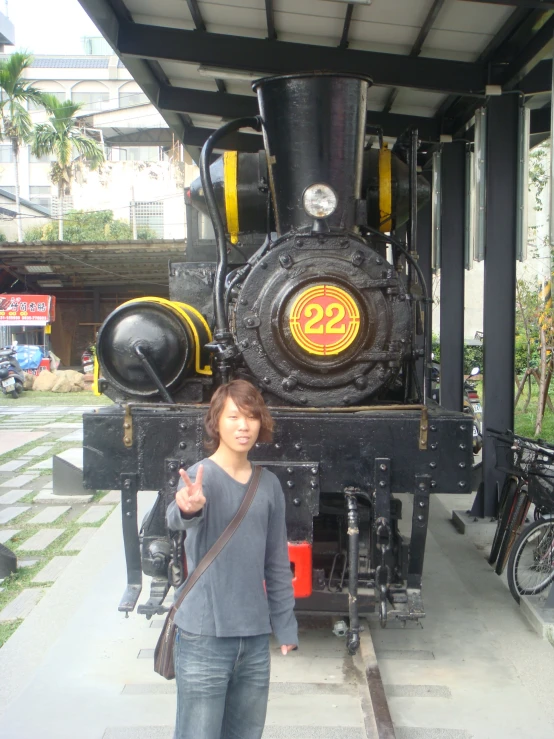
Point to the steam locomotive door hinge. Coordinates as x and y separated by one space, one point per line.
128 426
129 489
423 429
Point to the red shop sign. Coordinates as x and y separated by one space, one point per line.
27 310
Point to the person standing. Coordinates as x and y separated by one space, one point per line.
221 655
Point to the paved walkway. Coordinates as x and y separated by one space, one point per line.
44 532
473 669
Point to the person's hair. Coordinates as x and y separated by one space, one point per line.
247 398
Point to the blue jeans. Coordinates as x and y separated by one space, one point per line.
222 686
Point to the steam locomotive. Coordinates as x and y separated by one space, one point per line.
308 292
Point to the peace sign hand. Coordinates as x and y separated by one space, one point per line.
190 498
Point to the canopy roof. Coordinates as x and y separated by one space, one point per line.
430 60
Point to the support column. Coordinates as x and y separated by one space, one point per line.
425 263
452 276
500 282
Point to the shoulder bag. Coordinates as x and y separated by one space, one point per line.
163 654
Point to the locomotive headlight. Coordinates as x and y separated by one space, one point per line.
320 201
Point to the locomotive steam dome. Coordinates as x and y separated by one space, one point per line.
322 319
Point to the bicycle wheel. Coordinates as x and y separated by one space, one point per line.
531 563
507 498
518 513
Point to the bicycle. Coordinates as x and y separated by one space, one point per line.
515 455
531 561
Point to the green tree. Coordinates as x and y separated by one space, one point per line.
15 121
81 225
63 137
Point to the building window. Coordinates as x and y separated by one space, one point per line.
60 97
8 188
90 100
40 195
128 99
6 154
139 154
149 214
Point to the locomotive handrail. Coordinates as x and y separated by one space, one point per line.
425 291
222 334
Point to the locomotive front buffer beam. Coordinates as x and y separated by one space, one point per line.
339 472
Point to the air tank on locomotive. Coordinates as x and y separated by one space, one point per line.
151 348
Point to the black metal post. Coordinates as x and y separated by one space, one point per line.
500 280
129 490
452 277
352 517
420 521
424 251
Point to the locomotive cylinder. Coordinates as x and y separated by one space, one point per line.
314 128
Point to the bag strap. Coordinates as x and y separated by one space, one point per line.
223 540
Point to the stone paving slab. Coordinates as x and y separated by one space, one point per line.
94 514
76 435
51 514
67 426
47 495
114 496
19 481
13 496
27 562
10 440
46 464
80 540
39 451
22 605
8 514
7 534
53 569
74 456
12 466
42 539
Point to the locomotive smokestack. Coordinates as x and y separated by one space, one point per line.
314 126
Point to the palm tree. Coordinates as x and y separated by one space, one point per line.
15 121
62 137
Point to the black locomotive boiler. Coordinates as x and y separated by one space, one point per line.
308 293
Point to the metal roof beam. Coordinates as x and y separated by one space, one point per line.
258 55
346 26
202 102
531 4
418 44
537 48
271 32
233 141
540 121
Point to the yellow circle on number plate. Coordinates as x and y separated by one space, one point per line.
324 320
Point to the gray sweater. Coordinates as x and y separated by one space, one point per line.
229 599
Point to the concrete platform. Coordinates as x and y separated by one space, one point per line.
539 616
473 668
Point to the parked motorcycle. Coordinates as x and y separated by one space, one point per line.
87 360
12 376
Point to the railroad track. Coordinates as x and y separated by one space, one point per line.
334 694
375 708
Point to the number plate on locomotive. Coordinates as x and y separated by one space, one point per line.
324 320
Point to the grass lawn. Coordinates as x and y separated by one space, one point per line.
31 397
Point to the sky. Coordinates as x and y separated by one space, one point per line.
49 26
